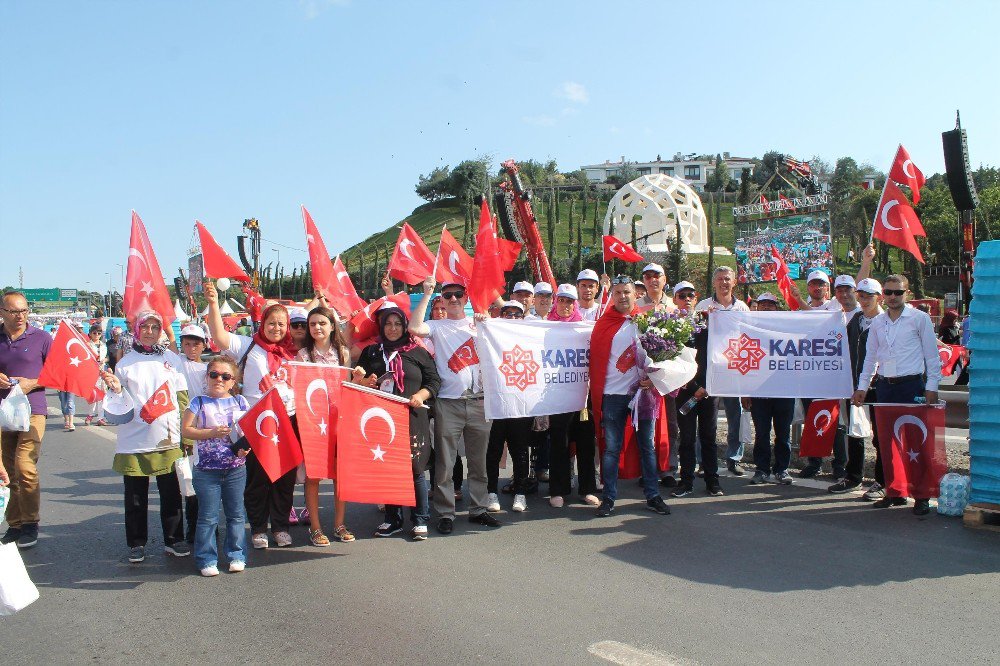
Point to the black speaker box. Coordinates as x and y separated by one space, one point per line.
956 164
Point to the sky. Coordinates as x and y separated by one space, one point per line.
220 111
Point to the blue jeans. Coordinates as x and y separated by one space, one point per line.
220 488
67 403
614 413
734 447
419 514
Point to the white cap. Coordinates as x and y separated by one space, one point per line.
568 290
654 267
870 286
452 284
818 275
523 286
543 288
844 281
297 314
767 296
587 274
683 284
512 304
194 331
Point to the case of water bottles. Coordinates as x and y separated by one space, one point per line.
984 377
954 494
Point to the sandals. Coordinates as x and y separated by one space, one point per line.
343 534
318 538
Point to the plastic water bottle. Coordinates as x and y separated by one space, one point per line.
954 494
4 498
688 406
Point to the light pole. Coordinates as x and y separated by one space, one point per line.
122 267
278 268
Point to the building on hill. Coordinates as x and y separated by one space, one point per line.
691 168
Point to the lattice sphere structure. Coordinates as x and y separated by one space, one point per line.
645 212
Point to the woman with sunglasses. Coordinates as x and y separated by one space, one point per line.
325 344
260 360
220 476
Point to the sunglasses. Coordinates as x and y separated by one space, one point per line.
512 315
214 374
893 292
685 294
456 295
299 324
622 279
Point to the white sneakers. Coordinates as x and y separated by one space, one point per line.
283 539
556 501
592 500
493 503
259 541
520 503
237 566
208 572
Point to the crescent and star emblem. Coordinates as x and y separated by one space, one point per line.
884 218
913 420
829 418
74 361
404 247
453 263
317 385
616 248
906 164
378 452
268 414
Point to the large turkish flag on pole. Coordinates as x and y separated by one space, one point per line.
896 222
905 172
317 394
454 265
373 448
615 248
487 284
819 429
913 451
72 365
144 285
325 277
216 261
412 262
272 438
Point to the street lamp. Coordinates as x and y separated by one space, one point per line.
277 268
122 267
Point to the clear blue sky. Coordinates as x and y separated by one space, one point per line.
225 110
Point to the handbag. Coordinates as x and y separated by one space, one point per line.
185 476
16 589
15 411
745 422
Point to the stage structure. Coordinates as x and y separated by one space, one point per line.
645 213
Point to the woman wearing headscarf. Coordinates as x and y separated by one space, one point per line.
145 398
260 359
413 376
949 331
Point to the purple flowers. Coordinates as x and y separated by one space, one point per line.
663 335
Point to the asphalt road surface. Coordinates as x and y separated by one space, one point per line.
763 575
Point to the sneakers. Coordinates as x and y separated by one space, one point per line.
136 554
556 501
210 571
734 468
419 533
668 481
259 541
178 549
921 507
760 477
101 421
809 471
591 500
888 502
446 525
714 489
874 493
682 490
606 508
658 505
388 529
318 538
282 539
493 503
293 517
784 478
12 535
237 566
520 503
28 536
843 486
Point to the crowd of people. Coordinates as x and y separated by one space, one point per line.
803 247
168 400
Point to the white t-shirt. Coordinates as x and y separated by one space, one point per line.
455 348
256 377
143 376
627 356
194 373
710 302
590 314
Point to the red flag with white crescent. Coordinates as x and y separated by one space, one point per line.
615 248
72 365
216 261
464 356
487 284
272 438
160 403
819 429
454 265
255 302
913 450
949 354
325 277
905 172
317 394
349 295
144 285
896 222
374 459
412 262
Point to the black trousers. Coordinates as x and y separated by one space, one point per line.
265 500
137 509
700 424
516 433
856 453
191 517
564 428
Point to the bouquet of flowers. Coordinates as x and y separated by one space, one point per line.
670 363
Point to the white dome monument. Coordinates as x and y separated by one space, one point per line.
655 203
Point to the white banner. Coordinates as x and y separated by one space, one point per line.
533 368
778 355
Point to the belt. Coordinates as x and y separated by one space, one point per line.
901 379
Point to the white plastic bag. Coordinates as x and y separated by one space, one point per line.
4 500
16 589
185 475
15 411
798 414
860 425
745 422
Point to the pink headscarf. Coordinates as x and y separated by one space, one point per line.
576 315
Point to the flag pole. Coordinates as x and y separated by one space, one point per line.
871 235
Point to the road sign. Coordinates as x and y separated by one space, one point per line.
39 295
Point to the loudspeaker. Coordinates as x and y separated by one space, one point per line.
956 164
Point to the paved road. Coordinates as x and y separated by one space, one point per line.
763 575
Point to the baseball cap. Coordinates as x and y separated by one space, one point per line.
543 288
818 275
568 290
870 286
297 315
654 267
683 284
193 331
587 274
451 284
767 296
844 281
512 304
523 286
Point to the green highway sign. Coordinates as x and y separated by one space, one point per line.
39 295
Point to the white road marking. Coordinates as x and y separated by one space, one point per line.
628 655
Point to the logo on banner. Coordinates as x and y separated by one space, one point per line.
464 356
519 368
744 354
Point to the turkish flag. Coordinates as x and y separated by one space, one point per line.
509 252
255 302
272 438
71 365
784 280
325 276
216 261
765 203
411 261
144 285
913 451
160 403
487 284
374 463
464 356
896 222
905 172
950 354
317 393
819 429
615 248
626 361
453 263
785 202
364 322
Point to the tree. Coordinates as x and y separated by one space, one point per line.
719 180
844 187
436 185
743 198
767 166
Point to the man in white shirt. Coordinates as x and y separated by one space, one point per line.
587 287
655 281
723 281
524 294
542 301
459 409
903 348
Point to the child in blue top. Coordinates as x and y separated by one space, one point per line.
220 475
